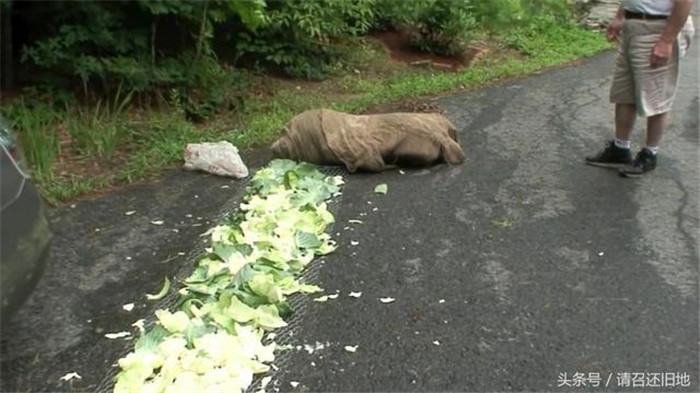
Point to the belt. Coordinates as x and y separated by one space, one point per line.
639 15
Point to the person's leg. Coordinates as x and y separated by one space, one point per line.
646 159
625 115
656 126
617 151
656 88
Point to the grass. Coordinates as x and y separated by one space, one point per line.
159 142
97 131
545 48
40 140
133 145
56 192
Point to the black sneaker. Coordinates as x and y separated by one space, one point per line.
644 162
611 157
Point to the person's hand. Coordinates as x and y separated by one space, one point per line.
614 28
660 54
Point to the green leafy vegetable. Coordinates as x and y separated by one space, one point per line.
381 188
163 291
173 323
307 240
238 289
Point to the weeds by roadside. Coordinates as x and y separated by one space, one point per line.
114 143
38 138
97 131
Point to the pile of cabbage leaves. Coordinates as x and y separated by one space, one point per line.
214 340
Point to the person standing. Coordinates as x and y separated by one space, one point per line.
653 35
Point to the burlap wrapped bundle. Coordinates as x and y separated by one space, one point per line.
369 142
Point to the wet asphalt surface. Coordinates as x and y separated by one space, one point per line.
518 266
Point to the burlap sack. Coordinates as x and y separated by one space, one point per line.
369 142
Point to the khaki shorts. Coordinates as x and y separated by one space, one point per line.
652 90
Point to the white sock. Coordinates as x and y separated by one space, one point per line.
653 149
622 144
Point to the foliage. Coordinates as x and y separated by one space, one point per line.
171 53
97 131
238 289
392 14
505 14
298 34
154 45
541 36
110 44
442 26
207 85
34 123
436 26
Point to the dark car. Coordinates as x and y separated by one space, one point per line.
24 232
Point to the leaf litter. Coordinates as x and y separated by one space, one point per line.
70 376
381 188
351 349
114 336
163 291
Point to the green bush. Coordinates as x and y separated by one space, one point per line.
109 44
97 131
150 46
35 124
298 34
89 41
392 14
442 27
204 84
541 36
499 15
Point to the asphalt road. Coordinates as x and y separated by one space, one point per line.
523 263
508 271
